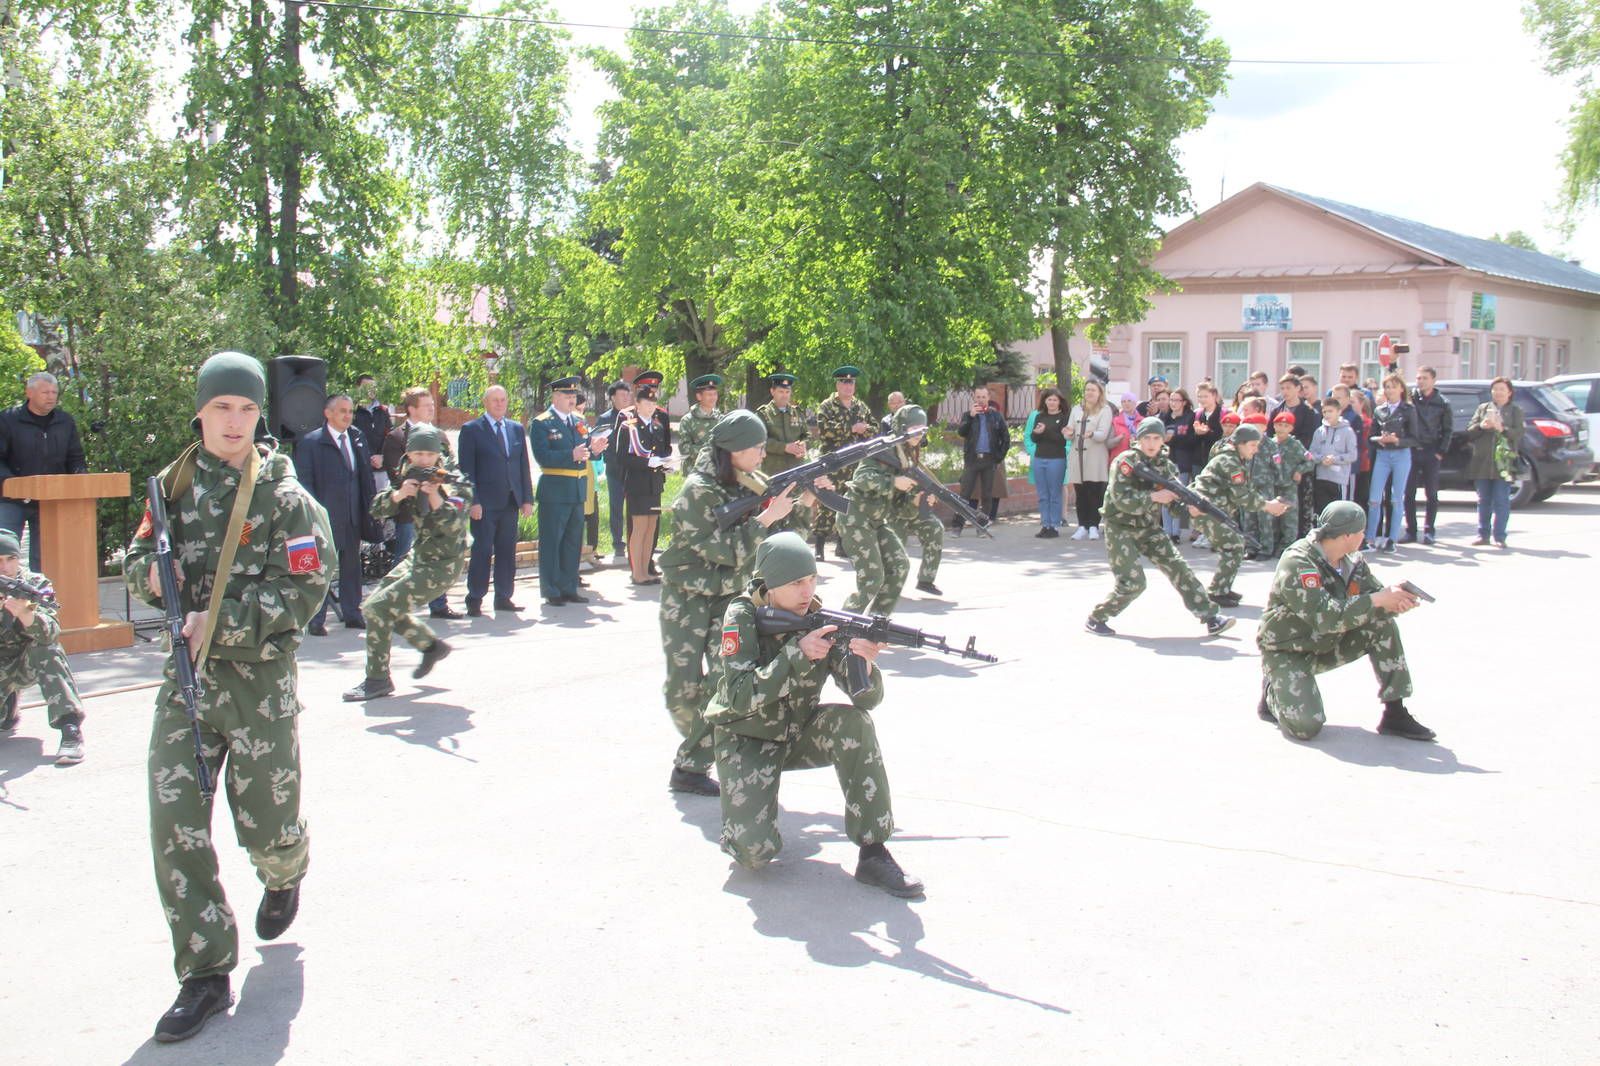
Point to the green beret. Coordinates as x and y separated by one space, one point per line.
230 374
1245 434
1148 426
10 544
706 381
738 430
784 557
847 372
908 418
424 438
1339 518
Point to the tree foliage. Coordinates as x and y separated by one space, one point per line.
1569 31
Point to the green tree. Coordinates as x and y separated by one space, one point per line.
1569 31
1516 239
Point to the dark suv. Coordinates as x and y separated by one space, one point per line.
1555 438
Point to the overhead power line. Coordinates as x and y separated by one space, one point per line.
892 46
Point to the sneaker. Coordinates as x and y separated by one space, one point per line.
1081 533
876 867
1389 545
277 911
1052 531
1218 624
198 999
370 689
1043 532
689 781
1427 538
1175 538
1098 628
930 588
1201 542
1397 722
1410 537
619 558
71 751
1479 541
1094 532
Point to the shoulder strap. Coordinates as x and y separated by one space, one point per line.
230 544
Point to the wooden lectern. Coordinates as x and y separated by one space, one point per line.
69 554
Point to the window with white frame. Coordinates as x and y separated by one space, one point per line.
1166 360
1561 359
1306 353
1467 349
1493 369
1538 362
1233 366
1368 360
1516 360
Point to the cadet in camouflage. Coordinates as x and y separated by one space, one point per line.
841 418
909 519
1327 609
701 570
1263 469
283 559
1226 483
1294 467
867 529
438 510
1132 520
786 441
30 652
694 428
768 717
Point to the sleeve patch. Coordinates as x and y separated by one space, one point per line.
730 641
1126 469
303 557
1310 579
1238 478
147 526
1354 588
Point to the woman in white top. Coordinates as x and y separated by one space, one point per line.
1089 461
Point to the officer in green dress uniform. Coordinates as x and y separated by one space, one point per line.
786 440
841 418
694 428
563 455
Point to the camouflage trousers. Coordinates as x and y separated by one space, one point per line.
749 769
260 757
1259 525
929 532
880 563
388 609
45 664
1286 527
1291 676
1124 545
691 636
1229 547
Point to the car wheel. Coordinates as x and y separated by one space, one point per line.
1543 495
1525 491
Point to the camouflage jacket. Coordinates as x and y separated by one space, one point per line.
702 558
281 568
1296 460
903 506
872 492
767 688
1312 602
1264 469
441 531
783 428
1128 504
694 433
1226 483
15 638
834 420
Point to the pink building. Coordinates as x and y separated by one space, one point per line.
1271 278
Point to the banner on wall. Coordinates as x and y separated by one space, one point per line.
1483 310
1267 311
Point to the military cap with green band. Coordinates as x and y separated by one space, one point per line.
706 381
847 373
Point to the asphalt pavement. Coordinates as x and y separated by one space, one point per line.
1123 864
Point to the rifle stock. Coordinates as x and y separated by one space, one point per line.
172 604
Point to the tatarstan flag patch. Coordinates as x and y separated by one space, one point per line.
1310 579
147 526
1126 469
303 557
1239 477
730 641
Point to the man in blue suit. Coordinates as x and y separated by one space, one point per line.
335 466
494 454
563 455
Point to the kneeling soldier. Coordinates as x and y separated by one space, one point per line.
766 718
30 652
1132 515
438 507
1326 609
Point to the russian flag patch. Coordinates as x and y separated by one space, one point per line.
303 557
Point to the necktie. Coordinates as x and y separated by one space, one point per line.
344 449
505 437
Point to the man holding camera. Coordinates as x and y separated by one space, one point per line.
983 455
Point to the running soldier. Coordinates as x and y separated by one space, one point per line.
867 529
910 519
841 418
1226 483
30 652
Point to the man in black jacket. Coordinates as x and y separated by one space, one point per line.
36 437
334 465
621 395
1433 440
985 442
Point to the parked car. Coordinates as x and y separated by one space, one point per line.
1555 440
1584 391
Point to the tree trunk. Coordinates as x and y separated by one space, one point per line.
262 207
293 161
756 391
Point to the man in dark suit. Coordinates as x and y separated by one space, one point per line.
621 394
334 465
494 454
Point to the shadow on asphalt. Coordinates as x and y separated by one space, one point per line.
256 1031
427 725
1198 646
19 756
1362 747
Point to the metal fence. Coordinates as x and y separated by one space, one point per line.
1020 399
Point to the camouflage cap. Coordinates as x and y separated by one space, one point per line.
10 543
738 430
1341 518
1246 433
1150 426
908 418
424 438
230 374
784 557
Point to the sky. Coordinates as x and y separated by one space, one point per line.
1470 143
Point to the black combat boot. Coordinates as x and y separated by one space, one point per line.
198 999
876 867
1263 711
1397 722
819 543
370 689
71 751
1226 599
930 588
9 715
277 911
430 658
689 781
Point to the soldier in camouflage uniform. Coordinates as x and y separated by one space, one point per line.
1327 609
283 559
786 441
702 569
30 652
1294 467
909 519
1132 520
694 429
1263 470
867 529
1226 482
768 718
438 509
841 419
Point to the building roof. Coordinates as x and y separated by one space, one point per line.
1474 253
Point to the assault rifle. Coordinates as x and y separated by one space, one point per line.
424 474
18 589
771 622
182 661
929 485
805 478
1191 498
